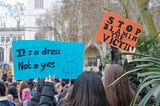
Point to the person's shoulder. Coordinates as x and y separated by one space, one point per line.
27 102
3 98
6 103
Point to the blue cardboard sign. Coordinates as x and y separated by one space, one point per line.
40 58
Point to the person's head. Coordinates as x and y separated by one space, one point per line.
9 97
88 90
14 84
58 88
22 86
6 83
101 64
91 69
31 84
2 89
64 82
26 94
4 77
72 81
121 93
13 91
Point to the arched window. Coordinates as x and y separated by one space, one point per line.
10 55
91 55
1 54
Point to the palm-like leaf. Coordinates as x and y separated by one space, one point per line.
147 69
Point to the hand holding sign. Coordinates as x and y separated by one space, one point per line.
130 57
48 79
119 32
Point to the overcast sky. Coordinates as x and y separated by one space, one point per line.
4 15
13 1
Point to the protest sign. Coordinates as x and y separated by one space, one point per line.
119 32
40 58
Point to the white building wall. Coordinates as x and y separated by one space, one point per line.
32 14
7 44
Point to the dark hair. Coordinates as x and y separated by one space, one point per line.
73 81
2 89
64 82
120 94
88 90
13 91
14 84
31 85
4 77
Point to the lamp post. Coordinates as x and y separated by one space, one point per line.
115 57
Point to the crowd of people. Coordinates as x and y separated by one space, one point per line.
89 89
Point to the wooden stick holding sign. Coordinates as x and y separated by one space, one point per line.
119 32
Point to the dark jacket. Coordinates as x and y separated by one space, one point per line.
47 96
35 99
6 103
134 81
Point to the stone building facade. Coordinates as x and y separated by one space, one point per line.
7 36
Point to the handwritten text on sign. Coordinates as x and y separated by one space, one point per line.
40 58
119 32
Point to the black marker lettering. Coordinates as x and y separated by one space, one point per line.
23 66
21 52
29 52
105 26
35 66
105 38
43 65
110 21
129 28
120 24
138 31
36 52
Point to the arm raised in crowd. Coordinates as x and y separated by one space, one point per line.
47 96
36 97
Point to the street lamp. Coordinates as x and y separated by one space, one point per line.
115 56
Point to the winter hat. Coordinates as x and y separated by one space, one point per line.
26 94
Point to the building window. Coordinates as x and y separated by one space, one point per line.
14 38
89 61
19 38
1 55
7 39
38 4
92 61
2 39
11 55
38 21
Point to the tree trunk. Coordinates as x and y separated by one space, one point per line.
148 22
